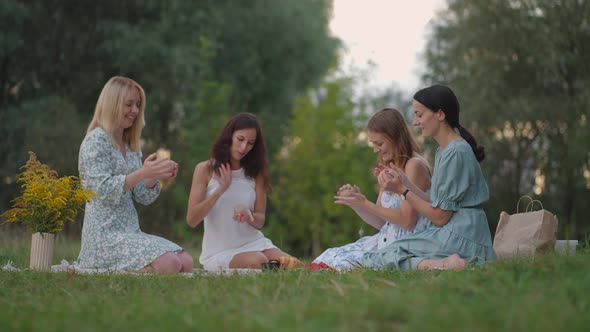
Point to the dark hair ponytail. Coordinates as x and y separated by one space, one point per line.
440 97
478 150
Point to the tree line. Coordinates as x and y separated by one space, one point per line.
519 68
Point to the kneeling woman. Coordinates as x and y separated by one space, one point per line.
229 193
110 165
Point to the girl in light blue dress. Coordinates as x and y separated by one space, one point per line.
459 232
393 142
110 165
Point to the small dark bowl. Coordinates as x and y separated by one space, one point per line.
270 265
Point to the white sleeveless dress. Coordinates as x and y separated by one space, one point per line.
224 237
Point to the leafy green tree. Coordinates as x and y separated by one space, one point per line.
521 71
326 148
199 62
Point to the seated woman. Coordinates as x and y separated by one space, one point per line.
229 193
460 231
110 165
393 142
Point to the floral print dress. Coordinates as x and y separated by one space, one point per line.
111 237
349 256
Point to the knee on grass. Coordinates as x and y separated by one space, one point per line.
251 260
186 261
169 262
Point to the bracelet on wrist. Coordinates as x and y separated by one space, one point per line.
404 194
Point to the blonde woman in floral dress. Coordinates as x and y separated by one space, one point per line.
110 165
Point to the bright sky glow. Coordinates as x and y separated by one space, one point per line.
389 33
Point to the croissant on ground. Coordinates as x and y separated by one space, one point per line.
290 262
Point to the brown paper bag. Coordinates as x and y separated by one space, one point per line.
526 233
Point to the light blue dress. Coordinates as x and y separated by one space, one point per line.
457 185
111 238
348 256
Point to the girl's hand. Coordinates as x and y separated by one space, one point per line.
347 190
377 170
353 200
223 178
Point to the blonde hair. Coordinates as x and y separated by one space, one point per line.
109 106
391 123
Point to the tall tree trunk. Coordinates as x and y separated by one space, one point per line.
316 248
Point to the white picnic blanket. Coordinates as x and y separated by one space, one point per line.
65 266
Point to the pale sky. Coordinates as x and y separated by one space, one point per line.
390 33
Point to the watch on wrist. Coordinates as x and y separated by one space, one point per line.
403 195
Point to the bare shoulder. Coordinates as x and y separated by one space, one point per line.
418 171
417 165
203 170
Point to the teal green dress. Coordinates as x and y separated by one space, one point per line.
457 185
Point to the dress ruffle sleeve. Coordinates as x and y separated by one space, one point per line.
450 183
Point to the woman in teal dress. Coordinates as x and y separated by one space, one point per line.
459 233
110 165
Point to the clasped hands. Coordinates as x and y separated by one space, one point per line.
392 178
350 195
159 169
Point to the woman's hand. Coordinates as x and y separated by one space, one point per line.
159 169
242 214
393 179
223 178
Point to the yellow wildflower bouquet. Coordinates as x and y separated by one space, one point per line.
47 201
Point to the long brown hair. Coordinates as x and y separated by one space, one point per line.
255 162
391 123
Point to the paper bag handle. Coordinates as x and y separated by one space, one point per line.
532 205
518 203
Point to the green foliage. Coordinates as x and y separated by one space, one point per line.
198 61
322 152
521 71
47 200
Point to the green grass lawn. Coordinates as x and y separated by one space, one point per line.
549 293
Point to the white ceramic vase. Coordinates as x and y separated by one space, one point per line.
42 251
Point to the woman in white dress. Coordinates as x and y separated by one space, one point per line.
229 193
391 215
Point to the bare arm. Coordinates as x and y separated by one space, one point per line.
368 216
438 216
259 212
199 205
405 217
352 197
